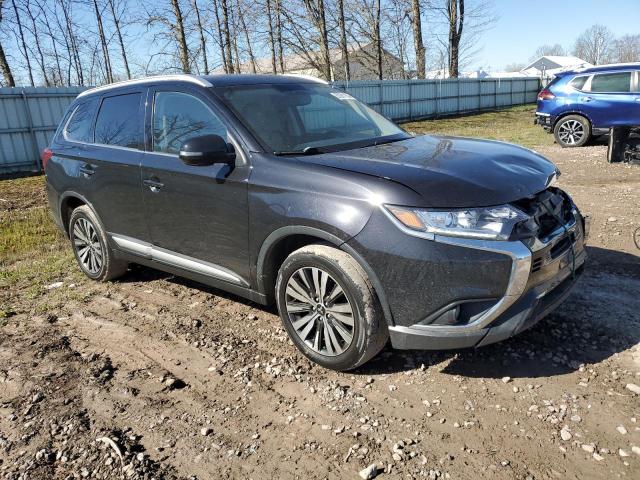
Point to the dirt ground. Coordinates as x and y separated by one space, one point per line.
158 377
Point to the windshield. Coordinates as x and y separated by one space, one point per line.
305 118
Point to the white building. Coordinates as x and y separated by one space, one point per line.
548 66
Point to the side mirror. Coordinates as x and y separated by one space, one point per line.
207 150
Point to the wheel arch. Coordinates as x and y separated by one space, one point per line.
282 242
572 112
69 201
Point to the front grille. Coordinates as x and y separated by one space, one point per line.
548 210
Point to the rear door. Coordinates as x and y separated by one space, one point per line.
194 213
112 166
609 100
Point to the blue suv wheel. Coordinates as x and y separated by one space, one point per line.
572 131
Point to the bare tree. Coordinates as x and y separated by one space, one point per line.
223 54
72 39
23 43
103 42
203 42
252 60
416 23
626 49
4 64
343 40
279 35
58 77
117 24
317 14
180 37
455 15
272 43
594 45
544 50
227 35
36 39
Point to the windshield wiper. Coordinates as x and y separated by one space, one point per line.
306 151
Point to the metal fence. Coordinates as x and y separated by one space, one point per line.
406 100
29 116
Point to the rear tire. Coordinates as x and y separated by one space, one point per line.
572 131
90 247
329 307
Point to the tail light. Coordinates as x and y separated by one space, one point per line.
45 156
546 95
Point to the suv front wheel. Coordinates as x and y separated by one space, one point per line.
329 307
572 131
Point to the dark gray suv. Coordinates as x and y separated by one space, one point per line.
281 188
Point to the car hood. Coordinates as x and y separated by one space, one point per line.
450 172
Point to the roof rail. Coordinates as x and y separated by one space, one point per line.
306 77
157 78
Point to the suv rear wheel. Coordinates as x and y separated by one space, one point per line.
90 247
572 131
329 307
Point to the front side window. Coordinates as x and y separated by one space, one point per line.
177 117
79 127
119 121
293 118
611 82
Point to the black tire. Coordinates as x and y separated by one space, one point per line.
572 131
369 332
85 224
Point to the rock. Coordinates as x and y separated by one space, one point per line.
635 450
597 457
621 430
633 387
576 418
37 397
506 379
589 448
397 457
622 453
370 472
54 285
204 431
565 434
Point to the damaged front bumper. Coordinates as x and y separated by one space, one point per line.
542 276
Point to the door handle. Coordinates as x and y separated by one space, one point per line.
586 99
153 185
87 170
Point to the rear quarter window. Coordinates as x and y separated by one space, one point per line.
79 127
119 121
578 82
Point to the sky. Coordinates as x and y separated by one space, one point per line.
524 25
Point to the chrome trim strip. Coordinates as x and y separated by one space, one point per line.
543 114
175 259
158 78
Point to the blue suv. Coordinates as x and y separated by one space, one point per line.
579 104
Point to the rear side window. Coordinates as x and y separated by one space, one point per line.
119 121
578 82
79 128
177 117
611 82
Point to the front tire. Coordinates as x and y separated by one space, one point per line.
90 247
329 307
572 131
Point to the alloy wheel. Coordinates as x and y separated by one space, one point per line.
87 245
571 132
320 311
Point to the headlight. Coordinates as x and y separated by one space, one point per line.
491 223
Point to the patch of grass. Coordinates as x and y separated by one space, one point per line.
513 125
27 232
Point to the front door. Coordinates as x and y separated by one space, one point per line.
611 102
197 215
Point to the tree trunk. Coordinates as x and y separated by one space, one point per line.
36 40
54 43
252 59
123 51
25 52
227 36
181 38
73 43
456 24
279 35
4 64
203 42
343 40
378 40
416 22
103 43
223 55
271 38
